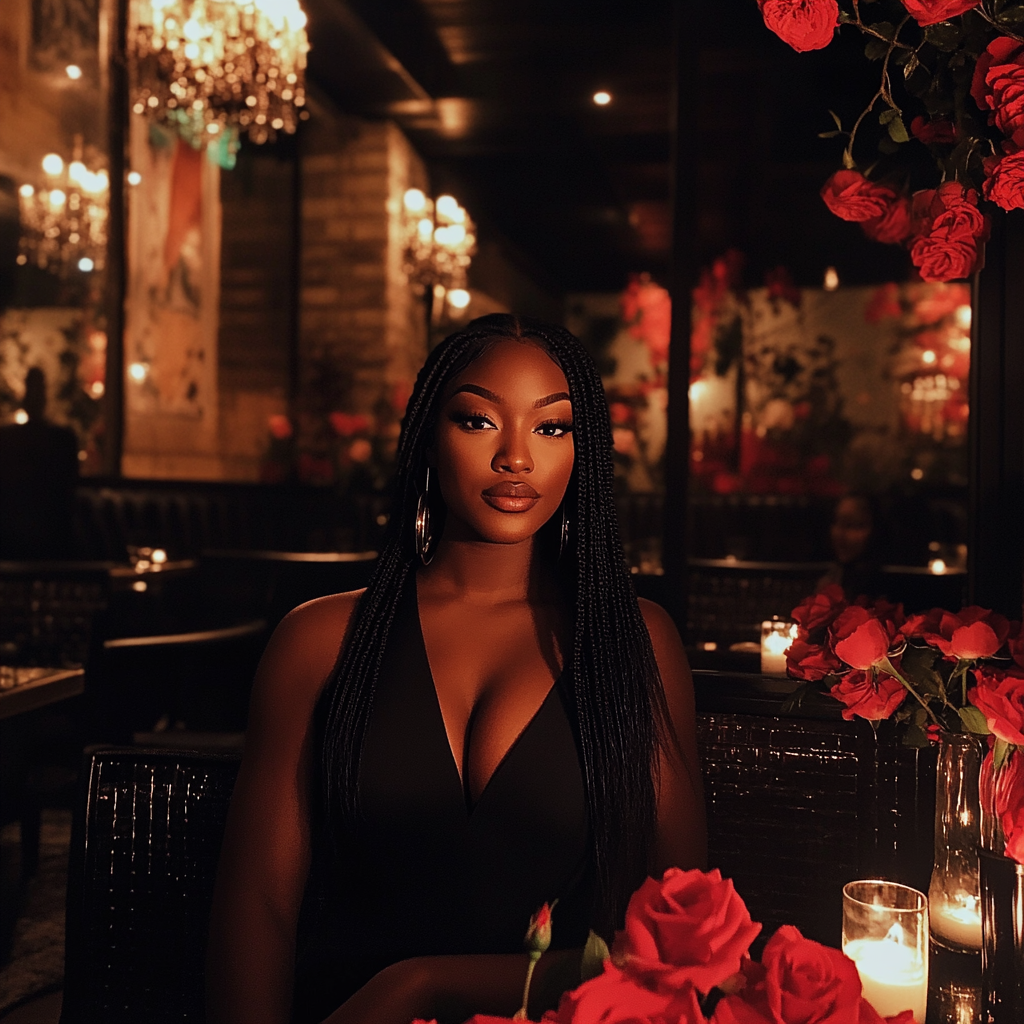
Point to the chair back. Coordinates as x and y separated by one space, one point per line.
144 852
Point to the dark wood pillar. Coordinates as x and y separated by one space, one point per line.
996 559
117 255
675 540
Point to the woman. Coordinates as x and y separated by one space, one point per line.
855 535
504 724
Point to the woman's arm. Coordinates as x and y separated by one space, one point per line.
682 827
265 857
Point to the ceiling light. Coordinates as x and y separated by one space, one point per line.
458 298
602 98
134 177
74 72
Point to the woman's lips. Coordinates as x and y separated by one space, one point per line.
511 497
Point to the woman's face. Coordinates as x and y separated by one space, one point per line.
503 447
851 529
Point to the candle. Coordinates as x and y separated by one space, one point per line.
894 977
957 922
776 639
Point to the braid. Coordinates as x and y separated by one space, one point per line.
616 689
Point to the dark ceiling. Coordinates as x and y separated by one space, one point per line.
497 96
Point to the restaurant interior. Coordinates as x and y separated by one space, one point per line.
225 254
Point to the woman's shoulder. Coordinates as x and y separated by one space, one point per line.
304 648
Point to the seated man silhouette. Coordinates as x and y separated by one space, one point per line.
38 471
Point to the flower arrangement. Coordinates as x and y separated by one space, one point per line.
954 71
683 958
938 671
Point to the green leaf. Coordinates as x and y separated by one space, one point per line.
885 28
898 130
595 952
887 115
1000 752
848 162
1013 16
828 135
835 117
915 736
876 49
974 720
911 65
944 36
887 146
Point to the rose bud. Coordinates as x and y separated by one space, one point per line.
538 935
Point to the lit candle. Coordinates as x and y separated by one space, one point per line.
957 921
894 977
776 639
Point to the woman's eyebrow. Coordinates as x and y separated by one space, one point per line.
492 396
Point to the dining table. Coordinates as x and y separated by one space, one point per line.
24 689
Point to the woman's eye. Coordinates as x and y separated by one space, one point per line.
473 421
555 428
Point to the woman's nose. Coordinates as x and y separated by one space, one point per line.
513 457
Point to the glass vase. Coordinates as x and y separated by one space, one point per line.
954 895
1002 912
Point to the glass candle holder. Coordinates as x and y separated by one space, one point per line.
777 637
954 895
885 933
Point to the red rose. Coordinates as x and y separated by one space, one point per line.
1009 804
862 639
998 86
950 230
971 634
1000 698
928 12
689 927
538 934
938 132
804 24
810 661
848 194
615 997
1004 182
893 226
867 697
799 981
819 609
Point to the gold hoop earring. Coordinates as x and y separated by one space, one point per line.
564 542
422 537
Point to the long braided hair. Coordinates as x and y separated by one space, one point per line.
615 684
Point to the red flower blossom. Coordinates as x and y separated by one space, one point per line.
848 194
1009 804
538 934
616 997
892 227
280 427
799 981
868 697
929 12
804 24
950 231
1000 698
1016 645
819 609
939 131
1004 181
691 927
971 634
861 638
810 661
998 86
347 424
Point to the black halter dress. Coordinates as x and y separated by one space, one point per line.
428 872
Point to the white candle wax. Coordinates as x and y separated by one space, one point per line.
773 663
958 923
894 977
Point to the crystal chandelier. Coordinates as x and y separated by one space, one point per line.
209 66
64 221
440 241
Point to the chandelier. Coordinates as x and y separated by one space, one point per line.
206 67
440 241
64 221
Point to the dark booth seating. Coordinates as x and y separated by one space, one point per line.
796 807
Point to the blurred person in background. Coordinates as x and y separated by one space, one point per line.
38 473
855 534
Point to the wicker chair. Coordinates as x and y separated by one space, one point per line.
144 857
